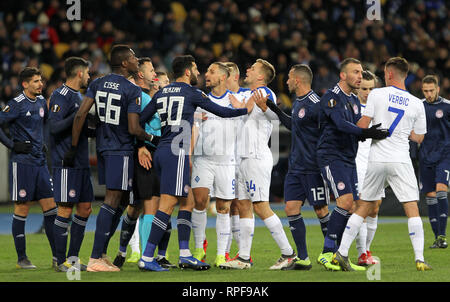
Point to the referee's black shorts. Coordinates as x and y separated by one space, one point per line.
146 182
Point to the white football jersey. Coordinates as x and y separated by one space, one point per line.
217 136
400 112
363 147
253 138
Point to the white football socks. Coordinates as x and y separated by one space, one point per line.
415 228
235 226
199 219
361 239
247 228
372 223
273 223
223 232
351 230
134 241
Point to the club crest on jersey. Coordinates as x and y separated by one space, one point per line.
439 113
355 109
341 186
331 103
22 193
301 113
41 112
186 188
6 109
56 108
72 193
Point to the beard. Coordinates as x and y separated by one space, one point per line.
193 80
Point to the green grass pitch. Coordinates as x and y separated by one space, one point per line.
391 244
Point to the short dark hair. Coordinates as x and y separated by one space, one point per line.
144 60
180 64
347 61
399 64
369 76
119 53
27 73
431 79
71 65
304 71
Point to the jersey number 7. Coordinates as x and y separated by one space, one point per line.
400 113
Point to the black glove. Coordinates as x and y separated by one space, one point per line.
155 140
375 133
69 157
22 147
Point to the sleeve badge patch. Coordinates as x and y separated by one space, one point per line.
56 108
331 103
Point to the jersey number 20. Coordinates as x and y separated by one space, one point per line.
168 109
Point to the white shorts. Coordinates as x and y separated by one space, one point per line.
400 176
254 179
219 179
361 170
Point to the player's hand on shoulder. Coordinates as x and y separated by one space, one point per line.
235 102
145 158
260 100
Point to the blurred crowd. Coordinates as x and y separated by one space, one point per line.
314 32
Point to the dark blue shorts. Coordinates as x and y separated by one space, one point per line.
341 179
115 171
72 185
29 183
173 171
311 187
431 175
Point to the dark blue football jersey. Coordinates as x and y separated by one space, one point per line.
115 97
305 134
338 131
64 103
26 118
176 104
436 143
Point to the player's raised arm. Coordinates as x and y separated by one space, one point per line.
285 119
202 101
